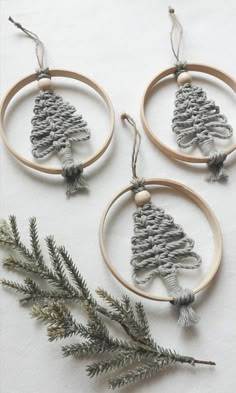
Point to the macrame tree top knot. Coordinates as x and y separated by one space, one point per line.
159 245
138 185
43 74
180 67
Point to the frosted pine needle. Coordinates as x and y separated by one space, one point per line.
130 359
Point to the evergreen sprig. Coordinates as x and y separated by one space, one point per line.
52 286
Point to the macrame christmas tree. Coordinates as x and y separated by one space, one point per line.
197 121
56 126
160 247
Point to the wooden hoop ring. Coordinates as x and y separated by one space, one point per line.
156 141
65 74
205 209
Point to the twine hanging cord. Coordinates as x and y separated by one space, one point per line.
178 29
136 143
176 34
39 46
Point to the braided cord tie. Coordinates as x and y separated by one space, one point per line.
138 185
43 74
197 121
55 127
161 247
179 68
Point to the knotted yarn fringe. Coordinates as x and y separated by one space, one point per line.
74 178
73 173
216 167
183 299
216 160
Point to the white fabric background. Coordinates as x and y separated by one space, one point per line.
122 45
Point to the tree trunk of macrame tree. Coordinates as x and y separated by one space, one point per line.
161 247
73 173
55 128
197 121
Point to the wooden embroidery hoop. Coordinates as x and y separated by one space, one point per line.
65 74
155 140
211 218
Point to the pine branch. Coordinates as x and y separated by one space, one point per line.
125 316
6 235
32 292
80 350
140 373
135 358
76 277
117 362
59 276
142 318
21 248
34 240
58 318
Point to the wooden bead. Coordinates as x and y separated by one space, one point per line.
142 197
183 78
45 84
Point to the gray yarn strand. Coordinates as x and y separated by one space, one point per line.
136 143
197 121
55 128
161 247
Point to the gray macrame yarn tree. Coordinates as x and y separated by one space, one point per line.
197 121
160 247
56 125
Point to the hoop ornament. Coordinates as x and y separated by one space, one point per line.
207 212
65 74
154 82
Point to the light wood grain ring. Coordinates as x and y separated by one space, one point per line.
65 74
205 209
170 71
